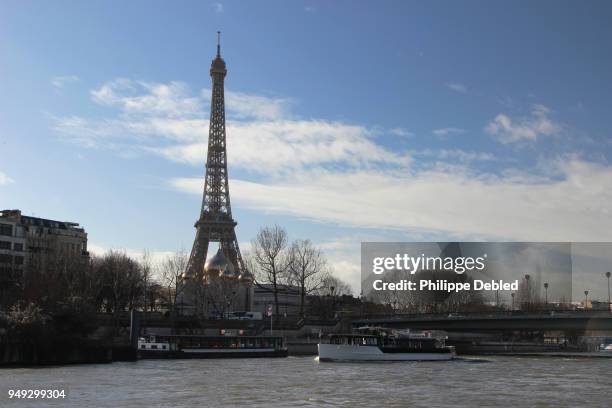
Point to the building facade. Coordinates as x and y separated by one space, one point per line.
38 242
288 299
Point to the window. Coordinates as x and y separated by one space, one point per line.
6 229
18 260
5 245
18 246
5 258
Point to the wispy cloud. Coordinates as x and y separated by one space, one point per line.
457 87
336 172
447 131
60 81
146 98
165 119
246 106
453 203
529 128
218 8
454 155
4 179
398 131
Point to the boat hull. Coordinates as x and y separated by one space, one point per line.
211 353
344 352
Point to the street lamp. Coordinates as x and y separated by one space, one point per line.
546 291
609 303
586 299
512 294
527 277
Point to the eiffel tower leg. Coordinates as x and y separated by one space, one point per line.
190 299
198 255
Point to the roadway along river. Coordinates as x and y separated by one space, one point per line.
302 381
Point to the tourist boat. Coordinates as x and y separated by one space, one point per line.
193 346
380 344
606 348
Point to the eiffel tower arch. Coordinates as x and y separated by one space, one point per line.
226 269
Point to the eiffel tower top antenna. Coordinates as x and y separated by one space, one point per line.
218 44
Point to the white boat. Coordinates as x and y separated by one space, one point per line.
377 344
151 343
606 348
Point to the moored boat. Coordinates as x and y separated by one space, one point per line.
380 344
194 346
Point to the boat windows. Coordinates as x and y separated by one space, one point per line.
354 340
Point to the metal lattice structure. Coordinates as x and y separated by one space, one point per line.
216 223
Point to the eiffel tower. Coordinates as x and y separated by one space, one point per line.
215 223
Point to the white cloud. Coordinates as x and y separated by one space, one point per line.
447 131
4 179
245 106
335 172
166 120
170 100
455 154
156 257
452 202
508 130
218 8
398 131
344 267
59 81
457 87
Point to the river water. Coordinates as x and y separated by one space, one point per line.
302 381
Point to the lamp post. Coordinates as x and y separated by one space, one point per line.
527 277
512 294
546 291
609 303
333 303
586 299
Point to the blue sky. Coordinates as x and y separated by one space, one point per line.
347 121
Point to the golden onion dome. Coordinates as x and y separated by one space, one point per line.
220 266
246 277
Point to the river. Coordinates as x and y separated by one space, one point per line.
302 381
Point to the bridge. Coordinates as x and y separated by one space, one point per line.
499 322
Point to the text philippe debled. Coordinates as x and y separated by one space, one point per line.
413 264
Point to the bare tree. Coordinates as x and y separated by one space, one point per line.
145 267
527 294
170 271
269 259
334 286
306 269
